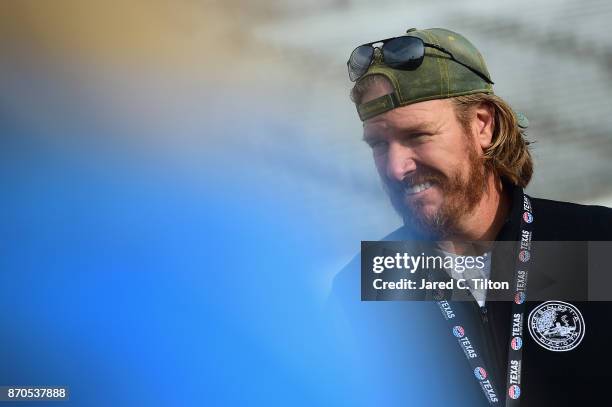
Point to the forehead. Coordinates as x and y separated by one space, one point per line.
423 115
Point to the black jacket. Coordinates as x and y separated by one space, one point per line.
548 377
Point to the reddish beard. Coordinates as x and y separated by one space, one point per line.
460 197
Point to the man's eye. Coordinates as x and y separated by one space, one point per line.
414 137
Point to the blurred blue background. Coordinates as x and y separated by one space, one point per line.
136 282
182 180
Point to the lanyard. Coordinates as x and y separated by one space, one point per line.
515 347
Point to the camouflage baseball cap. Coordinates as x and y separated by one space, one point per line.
438 76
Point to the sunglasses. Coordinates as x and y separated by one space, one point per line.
405 53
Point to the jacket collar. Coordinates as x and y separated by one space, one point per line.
511 227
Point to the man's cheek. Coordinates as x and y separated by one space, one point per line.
381 165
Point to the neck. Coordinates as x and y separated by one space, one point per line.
484 222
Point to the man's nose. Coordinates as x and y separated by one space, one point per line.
400 161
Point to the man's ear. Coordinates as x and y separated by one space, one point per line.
484 117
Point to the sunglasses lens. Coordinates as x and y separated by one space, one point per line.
404 52
359 62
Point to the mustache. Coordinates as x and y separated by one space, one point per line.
420 177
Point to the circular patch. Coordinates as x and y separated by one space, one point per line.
514 391
480 373
516 343
556 325
519 298
458 331
524 256
527 217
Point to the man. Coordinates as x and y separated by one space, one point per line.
454 160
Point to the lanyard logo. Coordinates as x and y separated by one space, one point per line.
458 331
516 343
480 373
519 298
514 391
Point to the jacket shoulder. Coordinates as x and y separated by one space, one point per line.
346 281
557 220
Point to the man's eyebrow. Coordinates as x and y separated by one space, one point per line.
421 127
368 136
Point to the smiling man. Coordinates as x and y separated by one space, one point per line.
454 160
432 167
437 145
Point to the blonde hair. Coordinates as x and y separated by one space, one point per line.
362 86
508 155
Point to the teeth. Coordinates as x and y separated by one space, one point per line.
418 188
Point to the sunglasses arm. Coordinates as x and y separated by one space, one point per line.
480 74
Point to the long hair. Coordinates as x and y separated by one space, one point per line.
508 155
